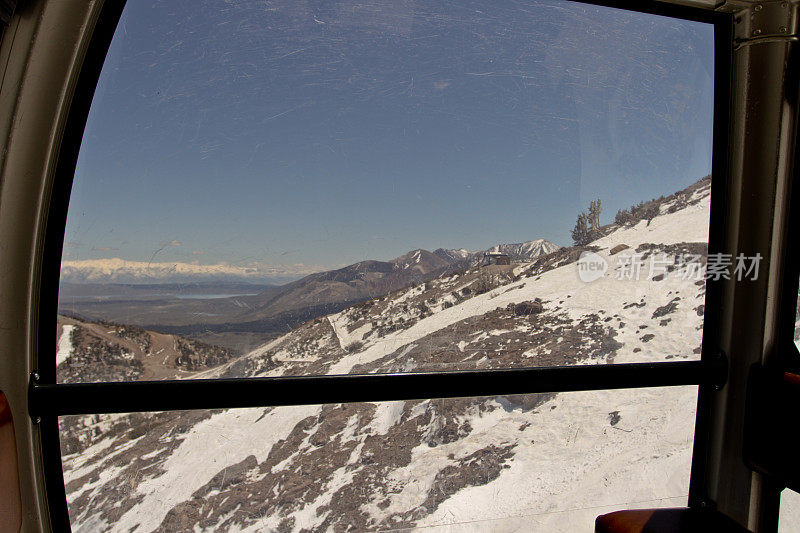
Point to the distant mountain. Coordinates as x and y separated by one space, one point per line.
341 287
460 254
118 270
122 271
519 252
526 251
334 290
278 309
420 261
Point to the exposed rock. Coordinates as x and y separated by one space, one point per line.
527 308
618 248
671 307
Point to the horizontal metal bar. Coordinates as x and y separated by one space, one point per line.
132 396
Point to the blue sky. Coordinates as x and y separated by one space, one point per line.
324 133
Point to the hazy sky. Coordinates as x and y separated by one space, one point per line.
326 132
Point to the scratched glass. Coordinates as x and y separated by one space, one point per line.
271 188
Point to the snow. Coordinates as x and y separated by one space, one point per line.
789 519
224 439
64 344
687 225
386 415
345 339
568 520
570 464
572 459
80 468
528 249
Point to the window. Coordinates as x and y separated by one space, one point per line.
426 190
542 462
359 178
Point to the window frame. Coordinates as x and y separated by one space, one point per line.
49 399
785 358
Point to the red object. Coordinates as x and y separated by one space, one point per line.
10 504
677 520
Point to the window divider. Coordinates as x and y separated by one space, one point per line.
173 395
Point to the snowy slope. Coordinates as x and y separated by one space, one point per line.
608 296
514 463
64 344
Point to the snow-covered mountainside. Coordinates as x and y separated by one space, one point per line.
542 462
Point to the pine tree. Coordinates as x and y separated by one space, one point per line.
594 217
587 227
580 233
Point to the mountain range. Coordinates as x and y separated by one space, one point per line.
276 309
116 270
123 271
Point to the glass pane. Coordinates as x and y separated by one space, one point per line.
539 462
389 186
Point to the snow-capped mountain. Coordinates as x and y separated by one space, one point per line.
116 270
453 255
540 462
523 251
